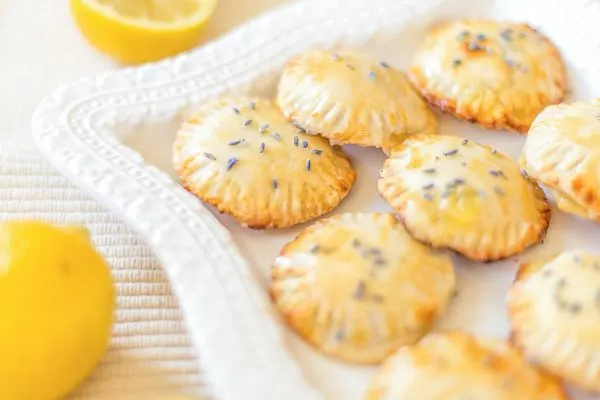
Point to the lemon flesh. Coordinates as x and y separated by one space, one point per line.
57 302
137 31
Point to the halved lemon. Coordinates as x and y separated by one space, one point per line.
138 31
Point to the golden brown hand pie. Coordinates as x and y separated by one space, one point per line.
457 366
498 74
457 194
554 311
350 98
358 286
562 151
245 158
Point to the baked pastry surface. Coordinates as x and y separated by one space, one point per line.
453 366
350 98
554 311
245 158
357 286
497 74
562 151
458 194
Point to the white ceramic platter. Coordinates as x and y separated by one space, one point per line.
112 135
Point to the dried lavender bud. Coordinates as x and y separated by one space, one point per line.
231 163
360 291
506 34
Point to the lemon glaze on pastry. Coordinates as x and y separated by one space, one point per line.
457 194
562 151
554 311
245 158
358 286
350 98
498 74
453 366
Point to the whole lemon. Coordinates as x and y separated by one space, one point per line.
57 302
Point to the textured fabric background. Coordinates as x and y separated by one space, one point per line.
150 355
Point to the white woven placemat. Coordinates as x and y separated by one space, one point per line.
150 354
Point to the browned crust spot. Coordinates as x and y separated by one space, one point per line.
585 194
581 193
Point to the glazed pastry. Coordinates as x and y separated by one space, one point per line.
244 157
457 366
498 74
562 151
457 194
358 286
350 98
554 311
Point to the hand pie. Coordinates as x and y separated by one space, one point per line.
358 286
554 311
562 151
456 194
350 98
498 74
453 366
245 158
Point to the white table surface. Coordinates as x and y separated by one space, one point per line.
40 48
